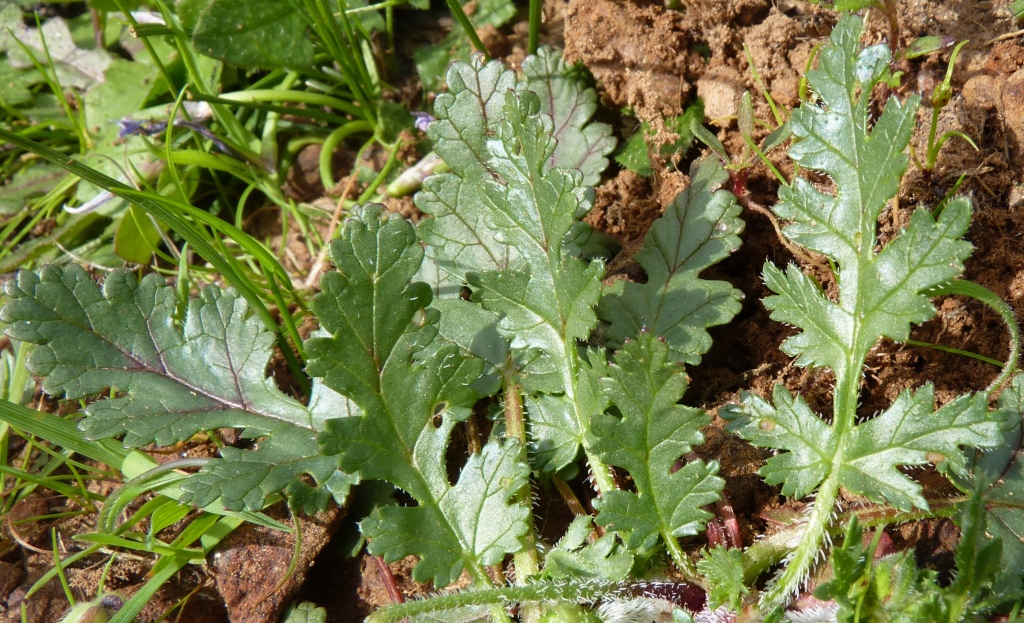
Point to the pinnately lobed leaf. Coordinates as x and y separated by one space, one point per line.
881 292
564 96
377 323
1001 471
172 380
699 228
652 434
460 238
505 223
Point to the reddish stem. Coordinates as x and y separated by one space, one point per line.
388 579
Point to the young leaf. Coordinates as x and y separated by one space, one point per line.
699 228
574 558
724 570
563 95
881 292
460 240
652 434
172 381
377 324
547 305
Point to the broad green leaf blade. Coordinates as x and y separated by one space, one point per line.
473 329
376 327
368 304
652 434
473 522
459 237
788 425
699 228
555 431
258 33
571 104
172 381
910 433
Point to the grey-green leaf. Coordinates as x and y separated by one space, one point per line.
377 328
910 432
651 435
459 237
582 144
699 228
788 425
172 381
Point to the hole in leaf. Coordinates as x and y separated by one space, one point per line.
438 417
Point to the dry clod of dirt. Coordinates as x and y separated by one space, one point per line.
251 562
46 604
641 54
720 88
1013 110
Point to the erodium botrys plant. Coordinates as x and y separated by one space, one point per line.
882 291
486 308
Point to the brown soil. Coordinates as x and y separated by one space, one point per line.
656 61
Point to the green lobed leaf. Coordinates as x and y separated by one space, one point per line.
574 557
724 570
256 34
460 240
459 236
788 425
910 432
564 96
649 434
547 305
52 46
171 381
377 324
699 228
470 523
882 290
635 153
304 612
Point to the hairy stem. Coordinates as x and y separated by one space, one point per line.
491 598
816 537
525 560
787 585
